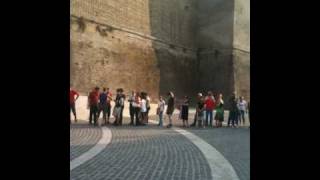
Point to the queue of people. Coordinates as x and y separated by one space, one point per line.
209 108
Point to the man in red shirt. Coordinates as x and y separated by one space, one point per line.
72 103
209 106
93 103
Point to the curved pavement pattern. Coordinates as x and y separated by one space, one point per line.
233 144
96 149
138 153
82 138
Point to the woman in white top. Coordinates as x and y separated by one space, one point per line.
160 110
242 105
143 108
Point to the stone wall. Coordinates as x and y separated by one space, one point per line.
143 45
185 46
241 44
223 39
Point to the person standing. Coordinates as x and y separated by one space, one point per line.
242 105
219 111
144 108
93 103
109 99
117 111
131 108
73 93
185 111
123 97
160 109
209 107
170 107
148 100
200 111
103 105
233 114
249 112
136 107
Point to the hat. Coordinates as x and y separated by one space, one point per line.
199 94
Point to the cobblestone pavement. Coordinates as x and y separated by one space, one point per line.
233 144
147 152
150 152
82 138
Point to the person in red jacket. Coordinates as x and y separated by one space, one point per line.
209 107
93 103
73 93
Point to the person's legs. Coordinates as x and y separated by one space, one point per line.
207 117
104 114
90 114
242 116
160 119
214 112
120 118
194 120
95 114
73 109
136 114
170 119
236 118
232 118
108 112
99 111
210 118
131 109
229 118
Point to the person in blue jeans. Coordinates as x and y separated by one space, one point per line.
209 107
234 111
160 110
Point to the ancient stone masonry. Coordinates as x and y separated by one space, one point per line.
160 45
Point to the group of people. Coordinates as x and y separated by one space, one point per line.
208 108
